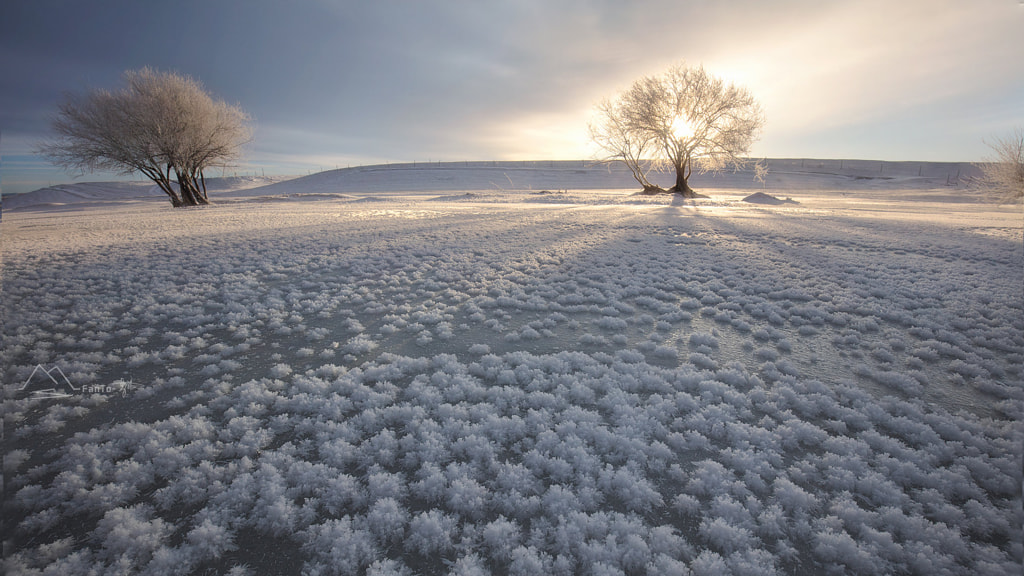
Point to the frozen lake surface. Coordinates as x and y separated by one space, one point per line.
375 372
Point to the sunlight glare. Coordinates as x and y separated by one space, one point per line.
681 128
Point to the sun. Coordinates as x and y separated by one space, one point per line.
681 128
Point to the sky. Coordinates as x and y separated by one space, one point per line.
333 83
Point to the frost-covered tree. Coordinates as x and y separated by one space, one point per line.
1004 172
162 125
610 131
683 120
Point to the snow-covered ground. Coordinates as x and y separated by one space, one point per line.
372 371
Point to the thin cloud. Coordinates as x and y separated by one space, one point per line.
468 80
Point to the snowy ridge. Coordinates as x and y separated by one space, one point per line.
588 175
86 194
535 176
417 385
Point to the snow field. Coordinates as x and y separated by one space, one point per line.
472 387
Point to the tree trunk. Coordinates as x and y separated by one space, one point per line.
163 181
190 196
187 197
165 185
682 186
175 199
198 190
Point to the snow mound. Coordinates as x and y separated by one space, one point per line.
762 198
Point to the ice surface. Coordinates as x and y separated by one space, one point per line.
573 382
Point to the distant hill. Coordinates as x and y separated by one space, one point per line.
784 174
90 193
796 174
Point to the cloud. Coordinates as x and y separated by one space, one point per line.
858 62
515 80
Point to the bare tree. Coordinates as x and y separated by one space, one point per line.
684 119
160 125
1004 173
612 134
